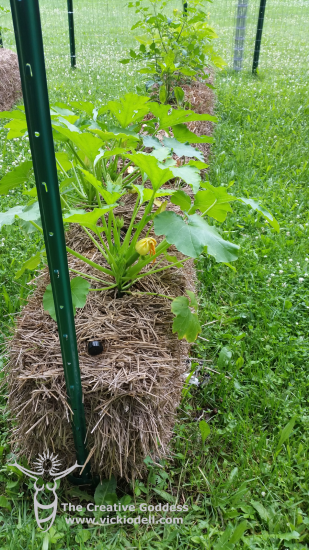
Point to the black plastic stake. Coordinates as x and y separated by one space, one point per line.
258 38
71 33
1 41
29 43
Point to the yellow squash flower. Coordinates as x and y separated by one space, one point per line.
146 246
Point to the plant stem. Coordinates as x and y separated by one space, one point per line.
101 289
76 155
154 271
37 227
89 262
88 276
96 243
129 231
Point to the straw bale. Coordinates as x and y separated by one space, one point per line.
10 85
131 390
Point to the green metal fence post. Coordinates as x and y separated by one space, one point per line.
258 38
71 33
28 35
185 8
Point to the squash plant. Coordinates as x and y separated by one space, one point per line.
108 153
174 49
3 11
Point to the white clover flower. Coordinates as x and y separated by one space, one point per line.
263 494
280 271
306 259
288 233
290 260
301 280
283 284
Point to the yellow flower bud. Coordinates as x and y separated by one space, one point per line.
162 206
146 246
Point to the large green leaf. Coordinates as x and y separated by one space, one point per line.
31 212
215 201
16 115
106 487
31 263
189 174
84 106
149 165
150 141
79 288
183 134
182 150
65 161
193 236
48 302
113 152
105 135
86 142
110 198
170 117
128 109
62 109
181 199
89 219
186 323
16 177
256 206
160 153
17 128
8 217
145 193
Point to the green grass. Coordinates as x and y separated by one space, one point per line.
255 334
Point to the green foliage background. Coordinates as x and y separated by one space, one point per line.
255 333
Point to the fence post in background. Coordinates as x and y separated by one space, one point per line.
29 44
71 33
240 34
185 8
1 41
258 39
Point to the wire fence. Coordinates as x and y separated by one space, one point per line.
285 39
103 37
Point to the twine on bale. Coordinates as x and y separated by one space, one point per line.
10 85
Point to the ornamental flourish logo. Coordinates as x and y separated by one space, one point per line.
47 466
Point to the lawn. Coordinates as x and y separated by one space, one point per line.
253 466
